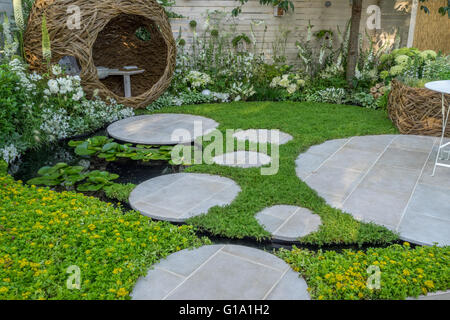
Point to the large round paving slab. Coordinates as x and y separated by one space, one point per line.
384 179
178 197
158 129
221 272
243 159
288 223
263 136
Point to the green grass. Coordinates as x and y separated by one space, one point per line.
309 124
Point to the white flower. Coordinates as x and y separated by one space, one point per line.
292 88
198 79
56 70
78 95
65 85
9 153
53 86
275 82
284 82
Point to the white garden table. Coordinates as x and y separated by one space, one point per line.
443 87
126 72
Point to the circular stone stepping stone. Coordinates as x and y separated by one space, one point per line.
288 223
242 159
161 129
221 272
263 136
178 197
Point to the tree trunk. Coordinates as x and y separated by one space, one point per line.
352 57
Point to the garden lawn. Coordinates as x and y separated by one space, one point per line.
43 233
402 271
309 124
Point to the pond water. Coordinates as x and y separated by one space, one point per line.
49 155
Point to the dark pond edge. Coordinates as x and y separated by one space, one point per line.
268 244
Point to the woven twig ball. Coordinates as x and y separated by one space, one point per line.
417 111
107 38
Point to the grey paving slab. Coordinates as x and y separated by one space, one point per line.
158 129
439 295
414 143
263 136
186 262
160 282
442 176
335 181
179 196
372 143
413 160
432 201
395 190
288 223
424 229
394 179
351 158
223 272
243 159
307 163
328 147
381 207
290 287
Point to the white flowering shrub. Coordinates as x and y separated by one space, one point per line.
197 80
242 91
290 82
45 108
328 95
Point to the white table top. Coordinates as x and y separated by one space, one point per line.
442 86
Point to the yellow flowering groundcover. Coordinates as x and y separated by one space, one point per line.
47 238
403 271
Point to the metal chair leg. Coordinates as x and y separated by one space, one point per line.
445 118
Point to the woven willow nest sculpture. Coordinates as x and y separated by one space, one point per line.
108 38
416 111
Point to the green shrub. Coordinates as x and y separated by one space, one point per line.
16 113
43 233
119 191
405 272
365 100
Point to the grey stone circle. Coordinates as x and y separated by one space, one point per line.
262 136
288 223
178 197
384 179
221 272
157 129
243 159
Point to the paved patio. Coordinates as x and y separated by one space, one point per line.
178 197
221 272
158 129
386 180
